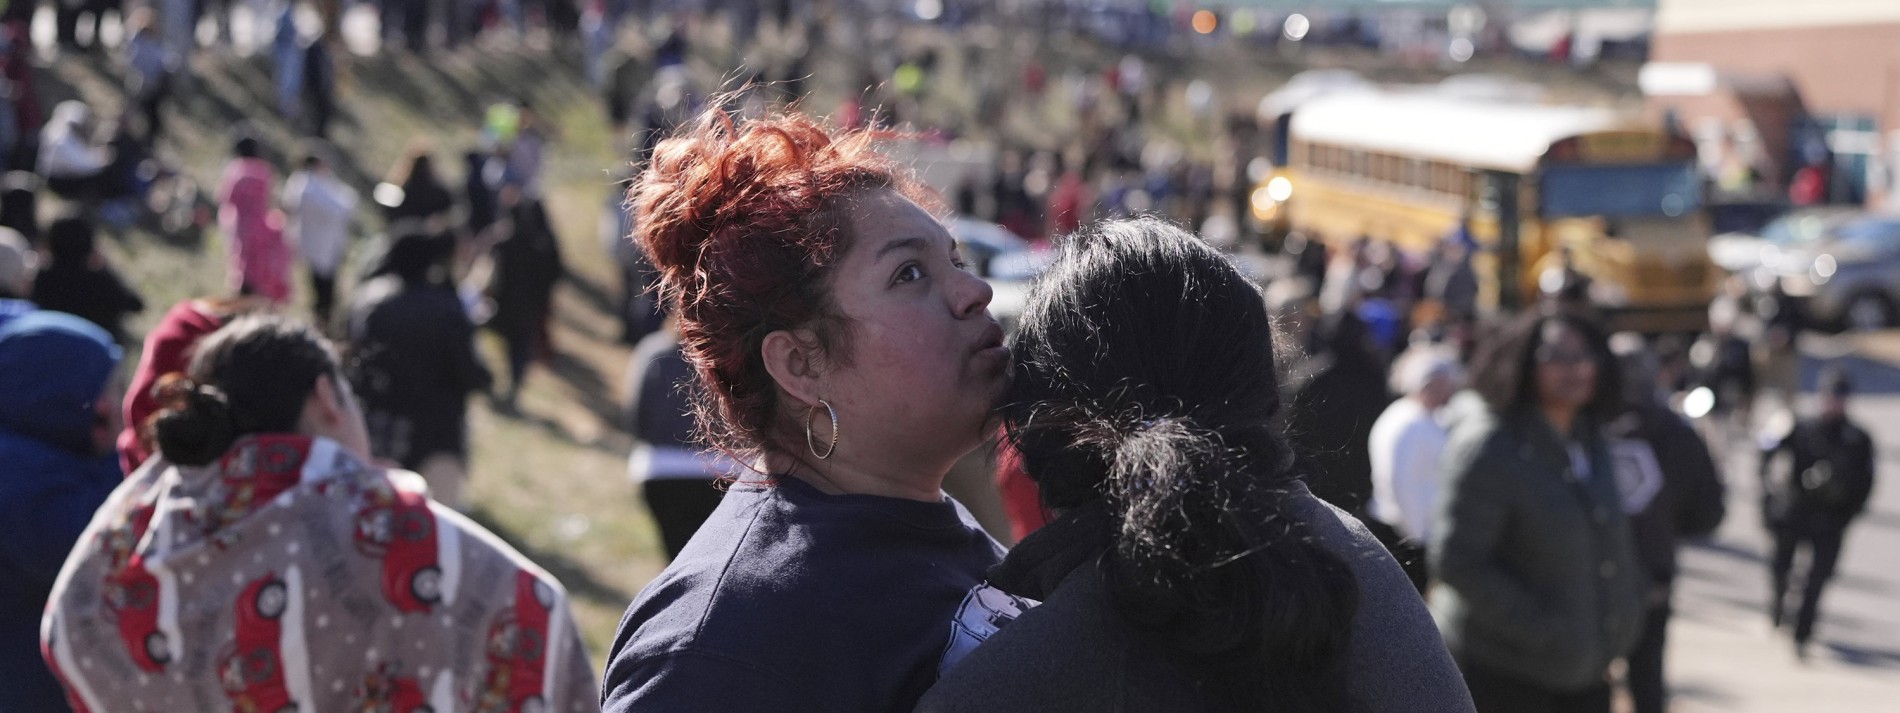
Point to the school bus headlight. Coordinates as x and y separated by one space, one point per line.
1279 189
1263 205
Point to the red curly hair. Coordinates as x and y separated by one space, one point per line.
744 223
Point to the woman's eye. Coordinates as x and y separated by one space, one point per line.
909 273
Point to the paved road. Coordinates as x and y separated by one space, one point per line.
1723 655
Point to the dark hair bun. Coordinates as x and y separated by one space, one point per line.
196 425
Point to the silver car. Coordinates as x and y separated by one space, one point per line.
1849 276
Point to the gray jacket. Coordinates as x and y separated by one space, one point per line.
1537 574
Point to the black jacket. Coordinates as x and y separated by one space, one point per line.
1076 652
414 365
1829 478
1690 501
99 295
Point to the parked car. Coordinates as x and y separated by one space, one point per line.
1849 276
1742 252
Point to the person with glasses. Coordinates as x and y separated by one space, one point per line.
1536 588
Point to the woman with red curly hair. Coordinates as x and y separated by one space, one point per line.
842 350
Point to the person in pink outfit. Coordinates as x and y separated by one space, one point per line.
253 229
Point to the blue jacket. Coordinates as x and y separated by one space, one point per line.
53 367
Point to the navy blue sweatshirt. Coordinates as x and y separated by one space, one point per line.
789 599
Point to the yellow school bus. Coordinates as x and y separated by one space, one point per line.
1527 179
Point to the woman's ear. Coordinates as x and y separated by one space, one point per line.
792 358
326 408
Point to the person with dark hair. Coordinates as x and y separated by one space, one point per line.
1536 583
415 363
168 348
1188 568
319 210
57 418
259 259
282 563
843 356
419 193
527 268
319 83
1680 497
80 281
19 203
1816 479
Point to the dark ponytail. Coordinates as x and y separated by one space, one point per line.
195 424
1145 382
252 376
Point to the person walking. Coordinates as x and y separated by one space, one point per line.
527 268
319 210
1816 479
253 230
262 558
415 364
57 416
1535 580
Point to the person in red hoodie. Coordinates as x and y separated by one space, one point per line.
168 349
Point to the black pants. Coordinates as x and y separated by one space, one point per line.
1648 688
680 506
324 288
1499 693
1823 540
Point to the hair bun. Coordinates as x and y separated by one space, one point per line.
196 425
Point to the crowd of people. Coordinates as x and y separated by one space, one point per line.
1342 492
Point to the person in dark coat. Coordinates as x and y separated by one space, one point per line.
1816 480
422 196
527 266
319 84
414 363
1188 569
479 188
58 418
679 479
1536 583
1681 498
1339 392
81 282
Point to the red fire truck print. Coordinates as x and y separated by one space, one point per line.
383 691
132 593
396 526
518 651
257 669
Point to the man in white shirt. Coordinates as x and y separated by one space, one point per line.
319 210
1408 440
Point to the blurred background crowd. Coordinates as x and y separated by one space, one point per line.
438 185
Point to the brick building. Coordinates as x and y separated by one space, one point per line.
1766 83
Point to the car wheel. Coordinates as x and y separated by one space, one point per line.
1868 312
155 648
426 585
272 599
543 594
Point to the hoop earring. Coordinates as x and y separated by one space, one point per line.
813 447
